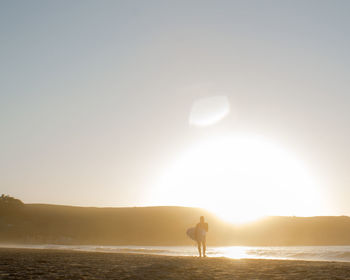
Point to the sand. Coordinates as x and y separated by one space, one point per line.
53 264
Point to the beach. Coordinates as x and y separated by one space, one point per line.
64 264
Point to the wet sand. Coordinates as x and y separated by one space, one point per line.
54 264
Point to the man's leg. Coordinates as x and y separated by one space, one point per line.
204 248
199 249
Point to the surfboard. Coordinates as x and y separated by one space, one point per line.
191 233
200 236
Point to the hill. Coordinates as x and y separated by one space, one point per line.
42 223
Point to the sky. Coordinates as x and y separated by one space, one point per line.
96 96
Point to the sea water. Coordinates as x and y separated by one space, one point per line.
308 253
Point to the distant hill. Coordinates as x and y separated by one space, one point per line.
41 223
288 231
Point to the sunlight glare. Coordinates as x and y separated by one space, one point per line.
240 178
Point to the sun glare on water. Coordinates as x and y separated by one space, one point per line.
240 179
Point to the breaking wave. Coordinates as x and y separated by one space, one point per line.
307 253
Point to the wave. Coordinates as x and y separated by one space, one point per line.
308 253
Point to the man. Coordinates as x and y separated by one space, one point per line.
201 231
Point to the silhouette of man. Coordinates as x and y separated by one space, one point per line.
201 232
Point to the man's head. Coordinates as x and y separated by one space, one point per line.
201 219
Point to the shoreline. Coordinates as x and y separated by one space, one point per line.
53 250
239 252
67 264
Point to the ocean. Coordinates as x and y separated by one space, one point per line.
308 253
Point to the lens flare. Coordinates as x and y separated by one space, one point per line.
208 111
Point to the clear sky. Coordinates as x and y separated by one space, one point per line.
95 96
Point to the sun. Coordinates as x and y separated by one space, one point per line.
240 178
